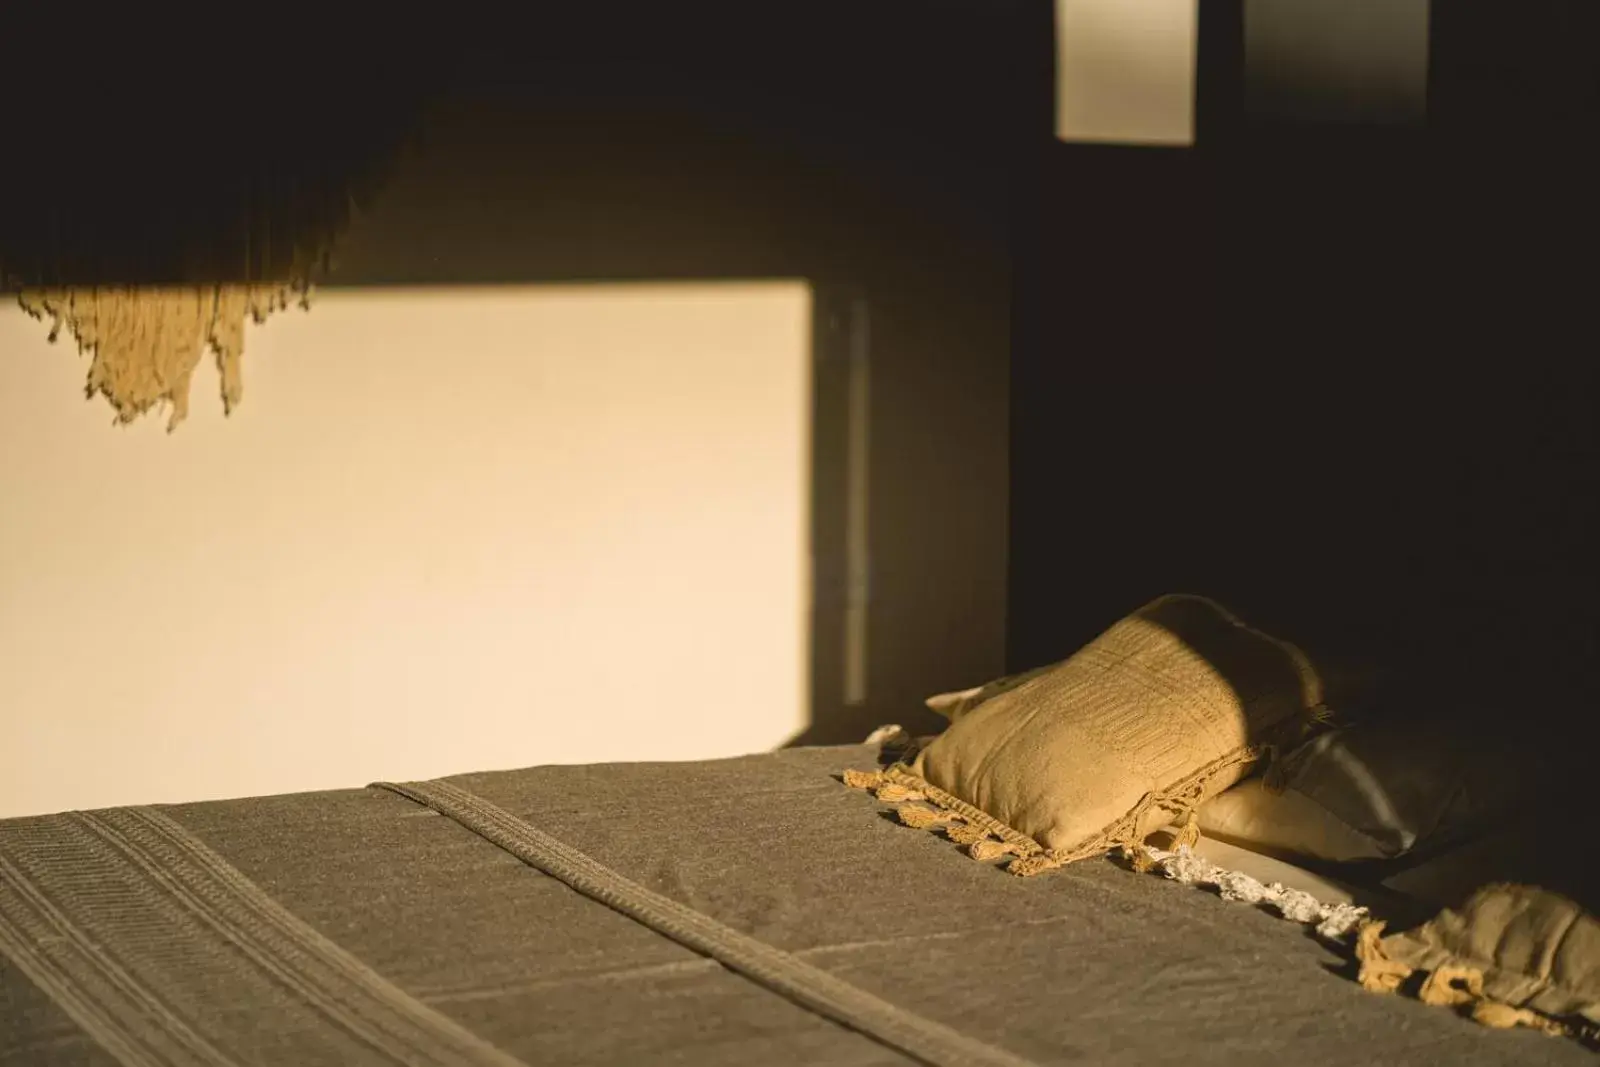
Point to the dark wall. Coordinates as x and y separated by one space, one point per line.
1341 377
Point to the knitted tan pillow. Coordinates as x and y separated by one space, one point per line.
1169 706
1513 955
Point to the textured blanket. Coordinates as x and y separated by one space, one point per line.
741 911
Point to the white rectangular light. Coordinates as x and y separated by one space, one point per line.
1125 71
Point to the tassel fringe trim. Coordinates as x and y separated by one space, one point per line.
923 806
1455 986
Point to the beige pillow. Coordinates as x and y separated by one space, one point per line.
1287 823
1368 792
1166 708
1511 951
1376 791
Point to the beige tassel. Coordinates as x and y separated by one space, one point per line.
1379 973
1441 986
1503 1017
988 849
919 818
1028 866
863 779
895 793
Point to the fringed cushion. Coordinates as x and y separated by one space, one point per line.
1168 707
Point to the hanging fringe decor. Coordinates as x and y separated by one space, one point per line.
145 343
148 267
146 340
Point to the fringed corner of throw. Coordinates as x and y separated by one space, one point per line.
1379 972
1460 986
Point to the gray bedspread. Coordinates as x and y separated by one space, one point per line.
423 941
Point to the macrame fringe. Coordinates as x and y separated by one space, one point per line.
1459 987
923 806
895 793
987 839
1350 926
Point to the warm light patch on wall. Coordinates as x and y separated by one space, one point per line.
453 529
1125 71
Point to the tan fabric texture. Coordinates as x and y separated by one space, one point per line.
1516 946
1167 707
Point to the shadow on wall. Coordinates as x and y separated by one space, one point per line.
634 145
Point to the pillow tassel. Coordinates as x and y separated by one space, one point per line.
895 793
920 818
988 849
1038 863
868 780
964 833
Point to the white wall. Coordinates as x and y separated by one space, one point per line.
447 530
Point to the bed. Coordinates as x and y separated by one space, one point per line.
742 911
